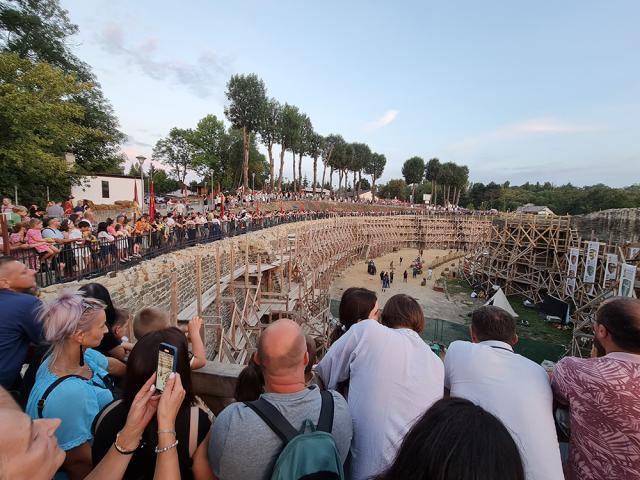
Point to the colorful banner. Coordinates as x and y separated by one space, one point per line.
572 270
591 262
627 280
610 270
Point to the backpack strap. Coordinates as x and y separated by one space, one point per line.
101 416
50 389
274 419
325 422
193 430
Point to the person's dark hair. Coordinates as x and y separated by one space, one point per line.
100 292
83 224
402 311
109 221
621 317
355 305
102 227
493 323
143 361
250 384
457 440
64 225
312 350
121 317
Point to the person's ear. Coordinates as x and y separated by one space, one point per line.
474 339
515 339
306 358
600 331
78 336
256 358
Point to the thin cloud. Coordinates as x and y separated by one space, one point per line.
388 117
536 126
200 77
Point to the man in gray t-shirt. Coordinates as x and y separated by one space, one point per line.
242 446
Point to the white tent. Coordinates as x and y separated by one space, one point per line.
499 299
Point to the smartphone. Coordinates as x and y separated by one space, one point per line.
167 355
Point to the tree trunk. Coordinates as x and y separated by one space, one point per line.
294 171
281 169
434 192
300 185
373 188
413 193
270 152
246 136
339 182
331 180
315 168
453 197
324 171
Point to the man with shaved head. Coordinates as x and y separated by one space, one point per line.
242 445
19 325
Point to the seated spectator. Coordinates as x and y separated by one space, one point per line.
192 423
73 325
110 346
29 450
602 395
242 445
355 304
20 325
375 357
487 372
456 440
151 319
45 248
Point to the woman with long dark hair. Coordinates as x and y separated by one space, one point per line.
356 304
457 440
393 378
192 423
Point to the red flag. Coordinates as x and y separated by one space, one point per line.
221 206
135 191
152 204
281 209
301 207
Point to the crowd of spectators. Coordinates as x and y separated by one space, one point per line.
379 404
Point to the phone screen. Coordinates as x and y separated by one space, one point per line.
165 367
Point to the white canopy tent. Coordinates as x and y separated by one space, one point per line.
499 299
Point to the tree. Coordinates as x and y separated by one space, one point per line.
412 171
39 122
39 31
247 97
288 130
162 183
269 133
431 173
210 143
176 150
360 159
394 189
315 148
304 137
330 144
257 161
375 168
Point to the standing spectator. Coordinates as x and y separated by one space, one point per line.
510 386
405 275
19 325
355 304
602 395
242 445
79 208
7 206
106 244
376 356
89 215
68 206
20 215
456 440
55 210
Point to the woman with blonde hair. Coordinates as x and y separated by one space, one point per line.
72 382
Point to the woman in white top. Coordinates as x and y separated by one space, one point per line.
107 245
394 377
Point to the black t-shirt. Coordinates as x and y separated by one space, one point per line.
108 343
142 464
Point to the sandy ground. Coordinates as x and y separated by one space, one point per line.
435 304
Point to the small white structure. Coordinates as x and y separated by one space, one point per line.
499 299
107 188
532 209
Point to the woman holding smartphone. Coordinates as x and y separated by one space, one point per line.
190 435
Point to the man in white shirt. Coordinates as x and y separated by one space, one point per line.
487 372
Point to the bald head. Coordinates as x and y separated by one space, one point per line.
15 275
282 349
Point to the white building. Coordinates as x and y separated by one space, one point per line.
107 188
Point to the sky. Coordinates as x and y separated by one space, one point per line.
516 90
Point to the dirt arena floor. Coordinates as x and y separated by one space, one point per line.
435 304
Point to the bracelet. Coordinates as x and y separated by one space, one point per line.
164 449
167 431
121 450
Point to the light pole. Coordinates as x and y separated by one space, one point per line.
253 183
141 160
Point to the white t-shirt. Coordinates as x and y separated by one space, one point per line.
514 389
394 378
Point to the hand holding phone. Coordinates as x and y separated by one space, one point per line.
167 358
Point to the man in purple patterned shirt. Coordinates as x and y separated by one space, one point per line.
603 396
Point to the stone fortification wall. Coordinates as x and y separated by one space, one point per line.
613 226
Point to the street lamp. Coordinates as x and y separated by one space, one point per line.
253 183
141 160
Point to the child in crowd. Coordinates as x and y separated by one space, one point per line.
120 328
34 237
151 319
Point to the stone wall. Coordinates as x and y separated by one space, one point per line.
613 226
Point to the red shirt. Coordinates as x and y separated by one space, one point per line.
603 395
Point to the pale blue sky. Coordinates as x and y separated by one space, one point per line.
516 90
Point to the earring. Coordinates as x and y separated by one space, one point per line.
81 357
